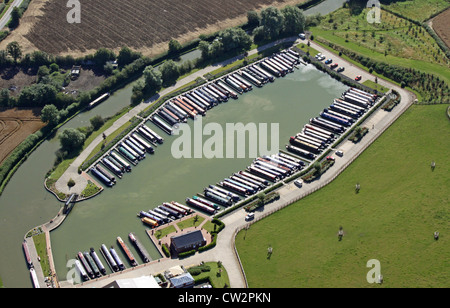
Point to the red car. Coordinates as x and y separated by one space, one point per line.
330 158
358 78
334 65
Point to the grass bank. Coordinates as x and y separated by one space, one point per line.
401 203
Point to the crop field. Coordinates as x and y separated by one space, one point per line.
15 126
401 203
441 24
142 25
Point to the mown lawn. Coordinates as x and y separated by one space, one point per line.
402 202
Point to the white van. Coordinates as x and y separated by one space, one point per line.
249 216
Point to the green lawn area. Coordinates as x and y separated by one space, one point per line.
306 48
375 86
217 280
402 202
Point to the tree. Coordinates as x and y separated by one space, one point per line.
50 115
71 139
97 122
253 19
272 20
103 55
294 20
174 47
203 46
15 17
235 39
153 78
126 56
14 50
169 72
4 98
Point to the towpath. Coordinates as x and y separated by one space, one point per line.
224 251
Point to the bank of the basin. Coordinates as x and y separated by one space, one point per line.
289 102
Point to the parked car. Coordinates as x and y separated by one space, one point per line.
302 36
298 183
334 65
358 78
341 69
249 216
330 158
339 153
320 56
328 61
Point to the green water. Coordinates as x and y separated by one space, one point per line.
290 101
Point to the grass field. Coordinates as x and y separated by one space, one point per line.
402 202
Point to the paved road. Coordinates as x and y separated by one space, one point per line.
5 18
224 251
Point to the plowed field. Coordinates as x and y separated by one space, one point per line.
144 25
441 24
15 126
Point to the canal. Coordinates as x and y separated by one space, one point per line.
289 102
